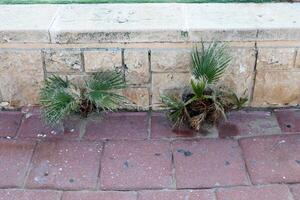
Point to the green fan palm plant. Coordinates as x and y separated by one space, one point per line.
59 97
204 101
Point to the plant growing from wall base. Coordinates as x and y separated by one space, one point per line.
59 98
204 101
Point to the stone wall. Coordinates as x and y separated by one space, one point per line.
151 49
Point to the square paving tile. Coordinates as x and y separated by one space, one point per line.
14 161
161 127
295 189
273 159
208 163
33 126
86 195
176 195
242 123
131 125
29 195
271 192
136 165
65 165
289 120
9 123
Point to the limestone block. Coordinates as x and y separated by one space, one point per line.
275 58
168 84
138 98
119 23
26 23
21 74
166 60
277 88
136 66
103 60
63 60
239 74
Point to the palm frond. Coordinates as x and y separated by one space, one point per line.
176 109
199 86
58 99
101 90
210 62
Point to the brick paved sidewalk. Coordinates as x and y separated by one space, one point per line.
136 156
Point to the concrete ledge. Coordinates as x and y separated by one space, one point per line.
93 23
150 44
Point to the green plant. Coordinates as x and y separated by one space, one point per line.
204 101
59 97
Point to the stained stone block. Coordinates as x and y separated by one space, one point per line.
275 58
63 60
168 83
277 88
239 75
137 66
21 74
103 60
164 60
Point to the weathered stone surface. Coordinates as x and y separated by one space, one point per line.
166 60
15 157
295 189
26 23
118 23
63 60
269 192
99 195
239 75
272 159
65 165
136 165
275 88
168 83
270 19
208 163
103 60
289 120
21 74
131 125
9 123
176 195
216 25
275 58
242 123
297 61
136 66
12 194
138 98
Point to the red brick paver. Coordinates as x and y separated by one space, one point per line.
119 126
29 195
295 189
9 123
14 161
85 195
161 127
33 126
242 123
289 120
273 159
208 163
176 195
65 165
136 165
272 192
